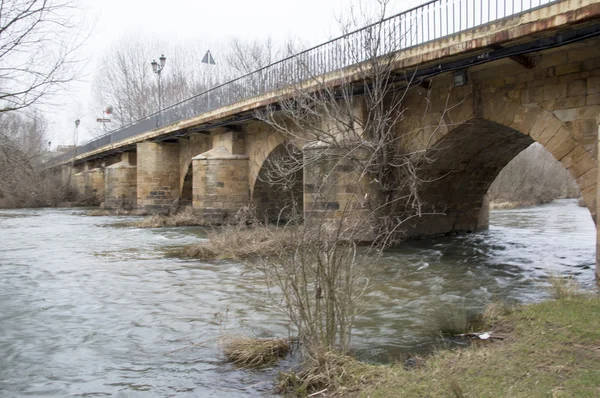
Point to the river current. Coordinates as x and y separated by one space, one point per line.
90 309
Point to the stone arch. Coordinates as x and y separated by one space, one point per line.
276 202
188 149
470 155
546 128
465 166
260 146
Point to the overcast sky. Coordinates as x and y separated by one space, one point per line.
207 21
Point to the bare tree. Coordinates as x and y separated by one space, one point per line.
23 149
361 179
126 80
38 44
39 40
244 57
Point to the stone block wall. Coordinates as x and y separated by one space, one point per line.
77 184
94 186
121 186
158 180
220 185
334 192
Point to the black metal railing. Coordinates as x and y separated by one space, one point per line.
430 21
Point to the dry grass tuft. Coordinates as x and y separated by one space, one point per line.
253 353
103 213
495 312
329 371
185 218
453 318
564 287
238 242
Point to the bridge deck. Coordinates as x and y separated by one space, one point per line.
439 31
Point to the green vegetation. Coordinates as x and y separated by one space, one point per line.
547 349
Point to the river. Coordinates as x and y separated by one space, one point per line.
90 309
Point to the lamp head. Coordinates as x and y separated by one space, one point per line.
459 78
154 65
163 61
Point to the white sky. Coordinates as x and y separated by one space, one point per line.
208 21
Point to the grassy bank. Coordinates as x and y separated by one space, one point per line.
548 349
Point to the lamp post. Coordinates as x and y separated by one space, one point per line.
157 68
77 122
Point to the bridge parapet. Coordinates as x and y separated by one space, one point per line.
409 29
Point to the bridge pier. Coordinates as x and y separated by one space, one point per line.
121 183
94 186
220 179
157 180
335 193
77 181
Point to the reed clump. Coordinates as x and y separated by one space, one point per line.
563 287
238 242
452 318
329 371
104 213
185 218
254 353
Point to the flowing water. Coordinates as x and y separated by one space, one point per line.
89 309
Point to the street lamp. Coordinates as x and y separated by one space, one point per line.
157 68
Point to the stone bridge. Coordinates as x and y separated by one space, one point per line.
532 76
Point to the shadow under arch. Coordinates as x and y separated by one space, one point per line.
467 161
186 196
278 192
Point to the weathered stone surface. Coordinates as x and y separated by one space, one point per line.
158 178
120 186
471 131
220 185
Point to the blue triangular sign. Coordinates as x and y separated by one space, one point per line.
208 59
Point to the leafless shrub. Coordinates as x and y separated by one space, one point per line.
23 181
361 180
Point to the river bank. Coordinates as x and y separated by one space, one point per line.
547 349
